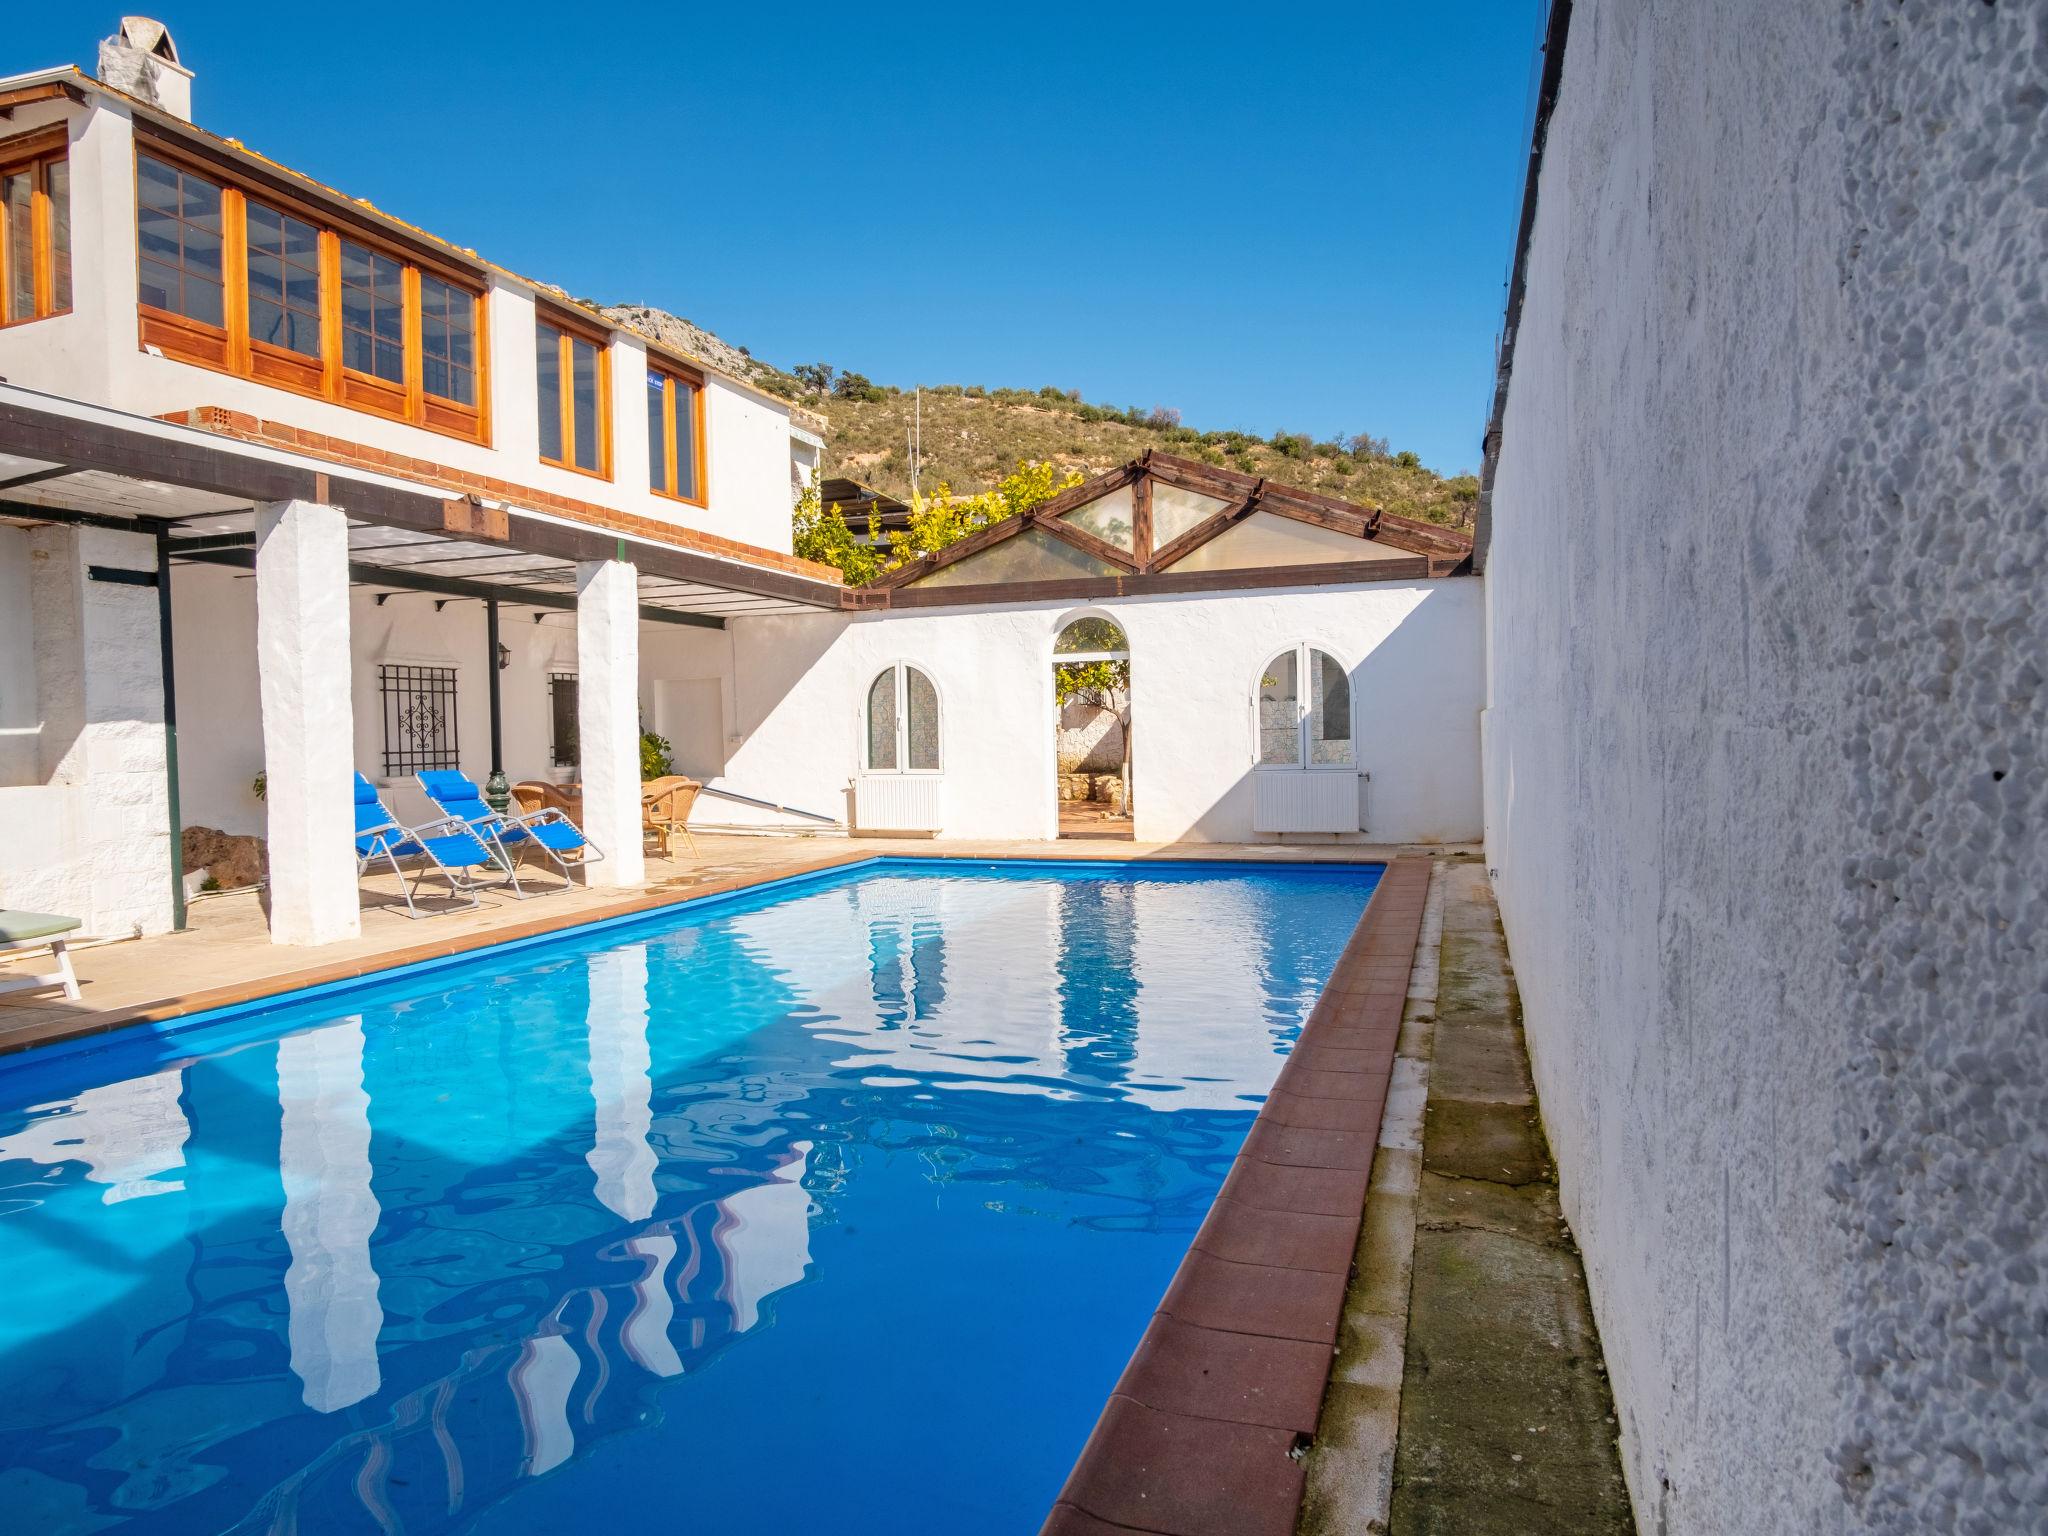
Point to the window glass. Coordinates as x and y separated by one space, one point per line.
547 357
59 175
1268 539
372 313
657 433
922 700
17 198
447 341
1033 555
672 435
571 398
882 723
562 718
418 705
583 363
284 280
1329 712
683 398
178 233
1279 714
1111 518
1175 511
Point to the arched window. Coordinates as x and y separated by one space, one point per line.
1304 711
903 722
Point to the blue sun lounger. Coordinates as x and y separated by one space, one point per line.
548 830
446 847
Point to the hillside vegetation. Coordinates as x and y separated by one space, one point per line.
974 437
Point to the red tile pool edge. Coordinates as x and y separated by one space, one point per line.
1200 1436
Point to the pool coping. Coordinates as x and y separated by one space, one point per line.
1203 1433
282 986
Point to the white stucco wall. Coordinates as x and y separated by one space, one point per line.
84 814
1413 651
93 353
1765 748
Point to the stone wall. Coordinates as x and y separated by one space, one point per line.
1765 746
1090 740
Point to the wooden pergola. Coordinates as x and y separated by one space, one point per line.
1388 548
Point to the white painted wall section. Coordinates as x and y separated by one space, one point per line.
85 803
1413 652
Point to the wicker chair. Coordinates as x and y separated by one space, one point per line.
537 795
665 810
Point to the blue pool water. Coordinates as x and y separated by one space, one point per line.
834 1207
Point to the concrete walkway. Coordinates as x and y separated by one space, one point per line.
1469 1395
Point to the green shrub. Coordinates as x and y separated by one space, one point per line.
1408 459
654 756
858 386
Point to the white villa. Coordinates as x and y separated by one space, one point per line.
291 488
1739 685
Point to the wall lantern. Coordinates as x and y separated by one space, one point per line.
504 656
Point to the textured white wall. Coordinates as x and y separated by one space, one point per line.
1413 651
88 834
1765 747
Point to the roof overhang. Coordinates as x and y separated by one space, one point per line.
67 461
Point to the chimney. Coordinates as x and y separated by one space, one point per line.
142 60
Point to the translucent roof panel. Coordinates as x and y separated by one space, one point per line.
1033 555
1175 511
1112 518
1268 539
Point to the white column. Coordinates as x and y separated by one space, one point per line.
608 716
302 661
330 1213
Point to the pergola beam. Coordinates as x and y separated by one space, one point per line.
443 586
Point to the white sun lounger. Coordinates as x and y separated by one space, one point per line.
25 932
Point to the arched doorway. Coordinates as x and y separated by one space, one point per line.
1091 687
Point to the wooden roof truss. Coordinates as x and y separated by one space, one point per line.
1148 565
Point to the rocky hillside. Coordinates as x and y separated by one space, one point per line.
972 435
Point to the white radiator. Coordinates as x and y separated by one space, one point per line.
1304 800
898 802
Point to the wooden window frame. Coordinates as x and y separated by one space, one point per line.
671 431
36 153
567 329
232 350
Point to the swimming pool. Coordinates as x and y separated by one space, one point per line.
834 1206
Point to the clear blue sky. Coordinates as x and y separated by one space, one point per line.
1292 218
